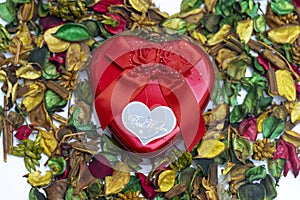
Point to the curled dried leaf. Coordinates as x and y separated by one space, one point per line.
37 180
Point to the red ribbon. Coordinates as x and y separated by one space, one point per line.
113 96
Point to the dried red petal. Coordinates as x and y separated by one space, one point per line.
296 3
100 166
248 128
103 5
147 186
50 21
263 62
122 23
288 152
23 132
58 59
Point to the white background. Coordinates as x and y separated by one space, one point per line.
14 187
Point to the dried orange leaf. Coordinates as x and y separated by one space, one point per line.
48 142
119 179
210 148
37 180
285 83
295 113
54 44
245 29
166 180
284 34
219 36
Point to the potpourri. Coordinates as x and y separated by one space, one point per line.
49 44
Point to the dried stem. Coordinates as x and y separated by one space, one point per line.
282 57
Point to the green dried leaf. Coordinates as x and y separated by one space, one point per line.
260 24
175 25
237 69
58 165
70 194
54 102
133 185
238 113
7 11
272 127
251 191
83 91
39 55
256 173
20 1
252 11
50 72
243 148
211 22
270 187
187 5
72 32
34 194
276 167
184 161
75 122
282 7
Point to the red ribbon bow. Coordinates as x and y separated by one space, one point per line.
133 63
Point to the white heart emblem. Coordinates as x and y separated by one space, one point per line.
148 125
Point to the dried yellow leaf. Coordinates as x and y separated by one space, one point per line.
292 137
119 179
260 121
219 36
48 142
54 44
3 75
166 180
37 180
28 72
210 148
244 29
295 113
199 37
284 34
34 97
140 5
285 84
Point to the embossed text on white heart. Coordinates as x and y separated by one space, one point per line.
148 125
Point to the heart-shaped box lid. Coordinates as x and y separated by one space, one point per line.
177 74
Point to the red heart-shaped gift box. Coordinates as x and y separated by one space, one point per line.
177 74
